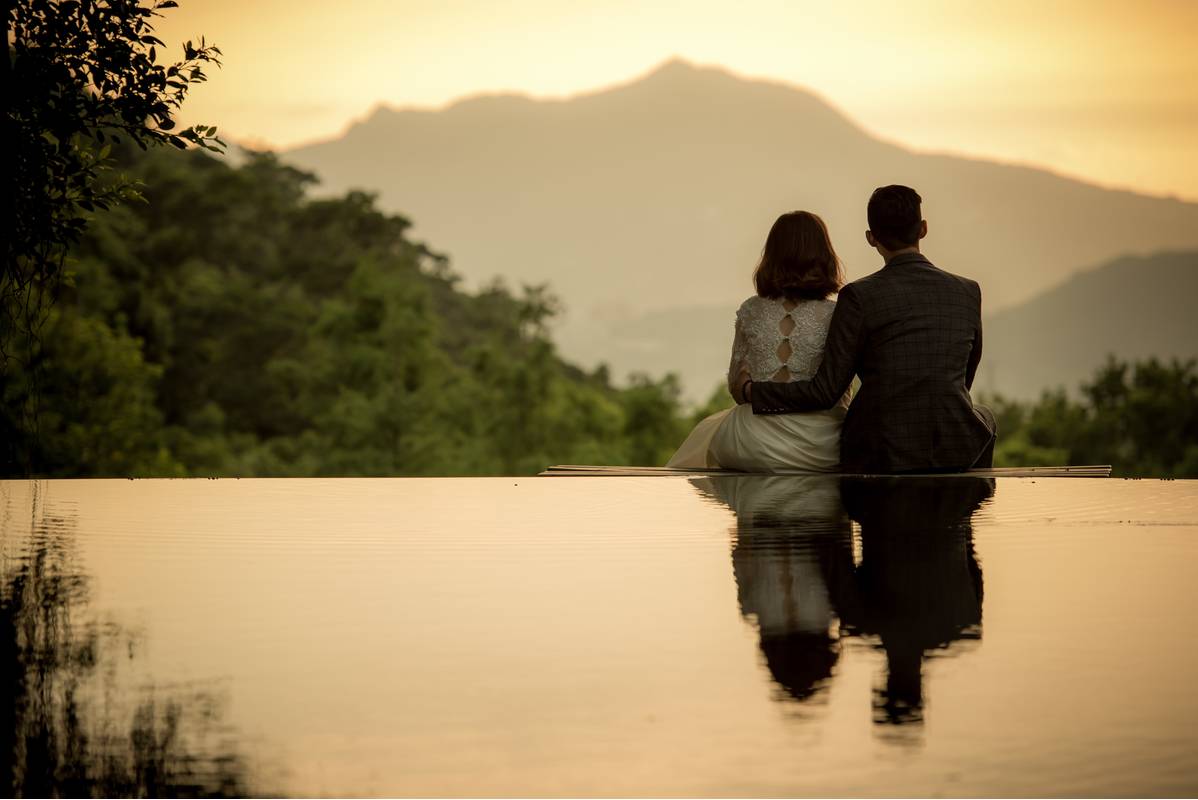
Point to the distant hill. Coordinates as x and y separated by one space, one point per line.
1131 308
657 195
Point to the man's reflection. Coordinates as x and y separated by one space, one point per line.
915 584
919 582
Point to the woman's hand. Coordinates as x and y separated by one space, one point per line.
738 387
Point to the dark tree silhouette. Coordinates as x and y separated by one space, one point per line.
80 77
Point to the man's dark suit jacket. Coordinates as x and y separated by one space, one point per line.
913 333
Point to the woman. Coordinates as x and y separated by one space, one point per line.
780 333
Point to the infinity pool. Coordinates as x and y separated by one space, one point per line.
600 636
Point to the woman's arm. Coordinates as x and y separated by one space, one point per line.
738 368
737 388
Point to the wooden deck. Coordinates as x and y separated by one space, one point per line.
594 471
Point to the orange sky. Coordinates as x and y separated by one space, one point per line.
1103 90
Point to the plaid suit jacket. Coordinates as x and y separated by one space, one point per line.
913 334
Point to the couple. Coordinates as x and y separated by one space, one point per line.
910 332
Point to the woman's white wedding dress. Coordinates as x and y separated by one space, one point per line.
775 340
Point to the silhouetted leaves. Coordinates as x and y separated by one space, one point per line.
78 75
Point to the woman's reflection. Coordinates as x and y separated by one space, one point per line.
793 562
915 584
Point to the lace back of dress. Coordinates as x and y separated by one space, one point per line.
778 340
786 327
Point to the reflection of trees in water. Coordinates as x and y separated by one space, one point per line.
915 583
70 723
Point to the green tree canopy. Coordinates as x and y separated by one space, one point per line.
231 325
1141 418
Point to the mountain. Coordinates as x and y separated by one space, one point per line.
656 196
1131 308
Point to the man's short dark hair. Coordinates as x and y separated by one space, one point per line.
894 216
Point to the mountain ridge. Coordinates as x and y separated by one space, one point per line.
680 65
670 73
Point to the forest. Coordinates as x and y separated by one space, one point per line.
231 324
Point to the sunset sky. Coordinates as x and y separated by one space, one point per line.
1106 91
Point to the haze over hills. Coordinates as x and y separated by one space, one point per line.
1131 308
644 202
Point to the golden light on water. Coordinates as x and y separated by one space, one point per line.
575 636
1104 91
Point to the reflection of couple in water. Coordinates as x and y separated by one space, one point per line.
910 332
915 583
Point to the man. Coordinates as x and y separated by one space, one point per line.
913 334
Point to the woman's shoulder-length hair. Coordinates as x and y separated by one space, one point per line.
798 261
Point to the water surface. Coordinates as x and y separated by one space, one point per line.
600 636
